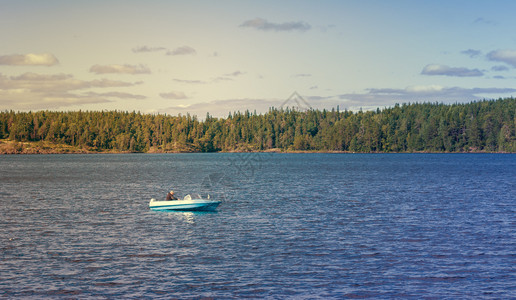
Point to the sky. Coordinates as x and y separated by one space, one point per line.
217 57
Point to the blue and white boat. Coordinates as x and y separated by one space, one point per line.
188 203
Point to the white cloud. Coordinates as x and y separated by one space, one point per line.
37 91
435 69
31 59
55 82
120 69
371 99
262 24
505 56
148 49
39 77
430 93
424 88
184 50
29 100
189 81
221 108
117 95
173 95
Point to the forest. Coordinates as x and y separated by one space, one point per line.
479 126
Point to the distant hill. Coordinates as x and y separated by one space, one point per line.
481 126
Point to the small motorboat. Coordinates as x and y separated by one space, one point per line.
188 203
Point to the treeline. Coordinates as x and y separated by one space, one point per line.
473 127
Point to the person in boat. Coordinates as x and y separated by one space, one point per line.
170 196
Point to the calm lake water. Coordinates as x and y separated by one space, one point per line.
293 226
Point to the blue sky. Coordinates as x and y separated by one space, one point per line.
222 56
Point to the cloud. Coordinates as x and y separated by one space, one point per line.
38 91
184 50
484 21
500 68
173 95
189 81
221 108
430 93
35 101
221 78
55 83
235 74
370 99
148 49
117 95
39 77
302 75
31 59
228 76
434 69
120 69
505 56
264 25
224 77
471 52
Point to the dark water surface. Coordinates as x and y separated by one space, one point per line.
290 226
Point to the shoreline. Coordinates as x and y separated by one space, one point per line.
8 147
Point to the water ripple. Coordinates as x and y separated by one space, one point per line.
305 226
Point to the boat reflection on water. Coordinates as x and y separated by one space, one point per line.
187 217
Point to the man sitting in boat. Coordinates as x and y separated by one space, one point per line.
170 196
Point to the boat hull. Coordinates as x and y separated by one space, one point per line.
184 205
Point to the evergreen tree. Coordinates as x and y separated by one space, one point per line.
476 126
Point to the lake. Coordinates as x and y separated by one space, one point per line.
290 226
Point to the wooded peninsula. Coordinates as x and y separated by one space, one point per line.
480 126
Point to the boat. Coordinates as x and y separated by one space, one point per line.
188 203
